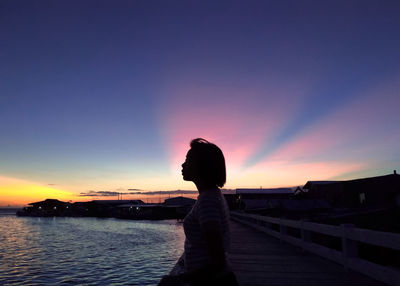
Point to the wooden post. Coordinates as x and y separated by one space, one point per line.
282 230
305 235
349 247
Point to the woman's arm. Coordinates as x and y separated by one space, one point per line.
211 231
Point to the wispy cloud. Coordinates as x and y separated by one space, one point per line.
154 193
99 194
92 193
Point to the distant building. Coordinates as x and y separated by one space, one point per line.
49 204
298 192
48 207
228 191
179 201
255 198
373 192
118 202
111 208
285 205
275 193
312 184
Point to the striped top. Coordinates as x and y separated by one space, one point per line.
209 207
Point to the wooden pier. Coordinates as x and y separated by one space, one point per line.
260 259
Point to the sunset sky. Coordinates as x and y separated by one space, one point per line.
105 96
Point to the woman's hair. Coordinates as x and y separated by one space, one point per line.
210 161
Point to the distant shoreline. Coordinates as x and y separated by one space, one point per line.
8 210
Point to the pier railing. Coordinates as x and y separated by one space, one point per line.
349 236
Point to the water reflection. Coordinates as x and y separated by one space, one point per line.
87 250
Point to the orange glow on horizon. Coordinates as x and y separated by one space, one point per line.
287 174
18 192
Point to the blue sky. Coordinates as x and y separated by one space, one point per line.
99 95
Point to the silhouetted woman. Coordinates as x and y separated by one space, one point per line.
207 225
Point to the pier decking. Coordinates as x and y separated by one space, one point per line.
260 259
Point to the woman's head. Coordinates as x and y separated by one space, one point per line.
204 163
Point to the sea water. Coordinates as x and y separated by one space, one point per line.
86 251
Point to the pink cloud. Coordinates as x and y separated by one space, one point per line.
355 138
368 123
239 125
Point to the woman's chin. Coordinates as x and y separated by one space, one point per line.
185 178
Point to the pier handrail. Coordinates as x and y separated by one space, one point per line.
349 235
